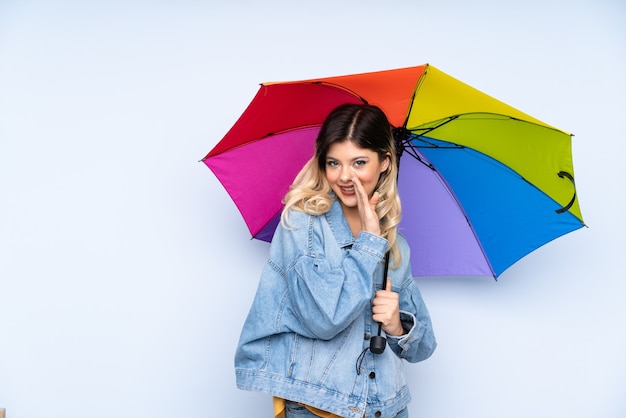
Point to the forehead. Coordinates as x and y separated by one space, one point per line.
348 149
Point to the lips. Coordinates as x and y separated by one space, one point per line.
347 190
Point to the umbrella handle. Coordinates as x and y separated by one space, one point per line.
565 174
378 342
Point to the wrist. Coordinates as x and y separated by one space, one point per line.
397 331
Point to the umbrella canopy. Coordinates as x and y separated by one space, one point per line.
482 183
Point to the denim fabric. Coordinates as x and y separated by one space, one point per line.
311 319
402 414
296 410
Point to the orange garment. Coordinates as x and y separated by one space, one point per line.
279 410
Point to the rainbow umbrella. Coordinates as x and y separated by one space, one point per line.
482 183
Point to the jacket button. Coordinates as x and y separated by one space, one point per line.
372 375
377 414
367 336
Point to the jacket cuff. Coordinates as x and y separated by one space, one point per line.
371 244
410 324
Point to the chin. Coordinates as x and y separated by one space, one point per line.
348 203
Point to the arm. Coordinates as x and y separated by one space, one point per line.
417 342
325 295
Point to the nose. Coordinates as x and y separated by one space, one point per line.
346 174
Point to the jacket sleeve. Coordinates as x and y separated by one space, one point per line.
326 292
419 342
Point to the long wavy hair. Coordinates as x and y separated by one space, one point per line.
367 127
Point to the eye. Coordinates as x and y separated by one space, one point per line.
332 163
360 163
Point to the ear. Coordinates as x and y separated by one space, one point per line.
385 164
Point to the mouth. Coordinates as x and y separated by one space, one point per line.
347 190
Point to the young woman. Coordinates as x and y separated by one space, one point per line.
320 300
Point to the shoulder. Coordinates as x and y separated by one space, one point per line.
294 238
403 245
403 270
294 228
296 219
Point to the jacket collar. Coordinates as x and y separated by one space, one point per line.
339 224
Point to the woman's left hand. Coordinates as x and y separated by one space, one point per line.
367 207
386 311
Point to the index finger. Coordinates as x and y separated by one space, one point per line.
360 190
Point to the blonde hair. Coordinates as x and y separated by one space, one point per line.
367 127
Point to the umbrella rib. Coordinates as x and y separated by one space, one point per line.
404 141
454 197
420 80
425 131
411 150
291 129
340 87
264 136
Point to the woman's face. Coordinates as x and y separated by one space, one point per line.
345 158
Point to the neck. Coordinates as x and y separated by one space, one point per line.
353 218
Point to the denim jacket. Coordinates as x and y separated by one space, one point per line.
306 335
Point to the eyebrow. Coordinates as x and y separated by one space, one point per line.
363 157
